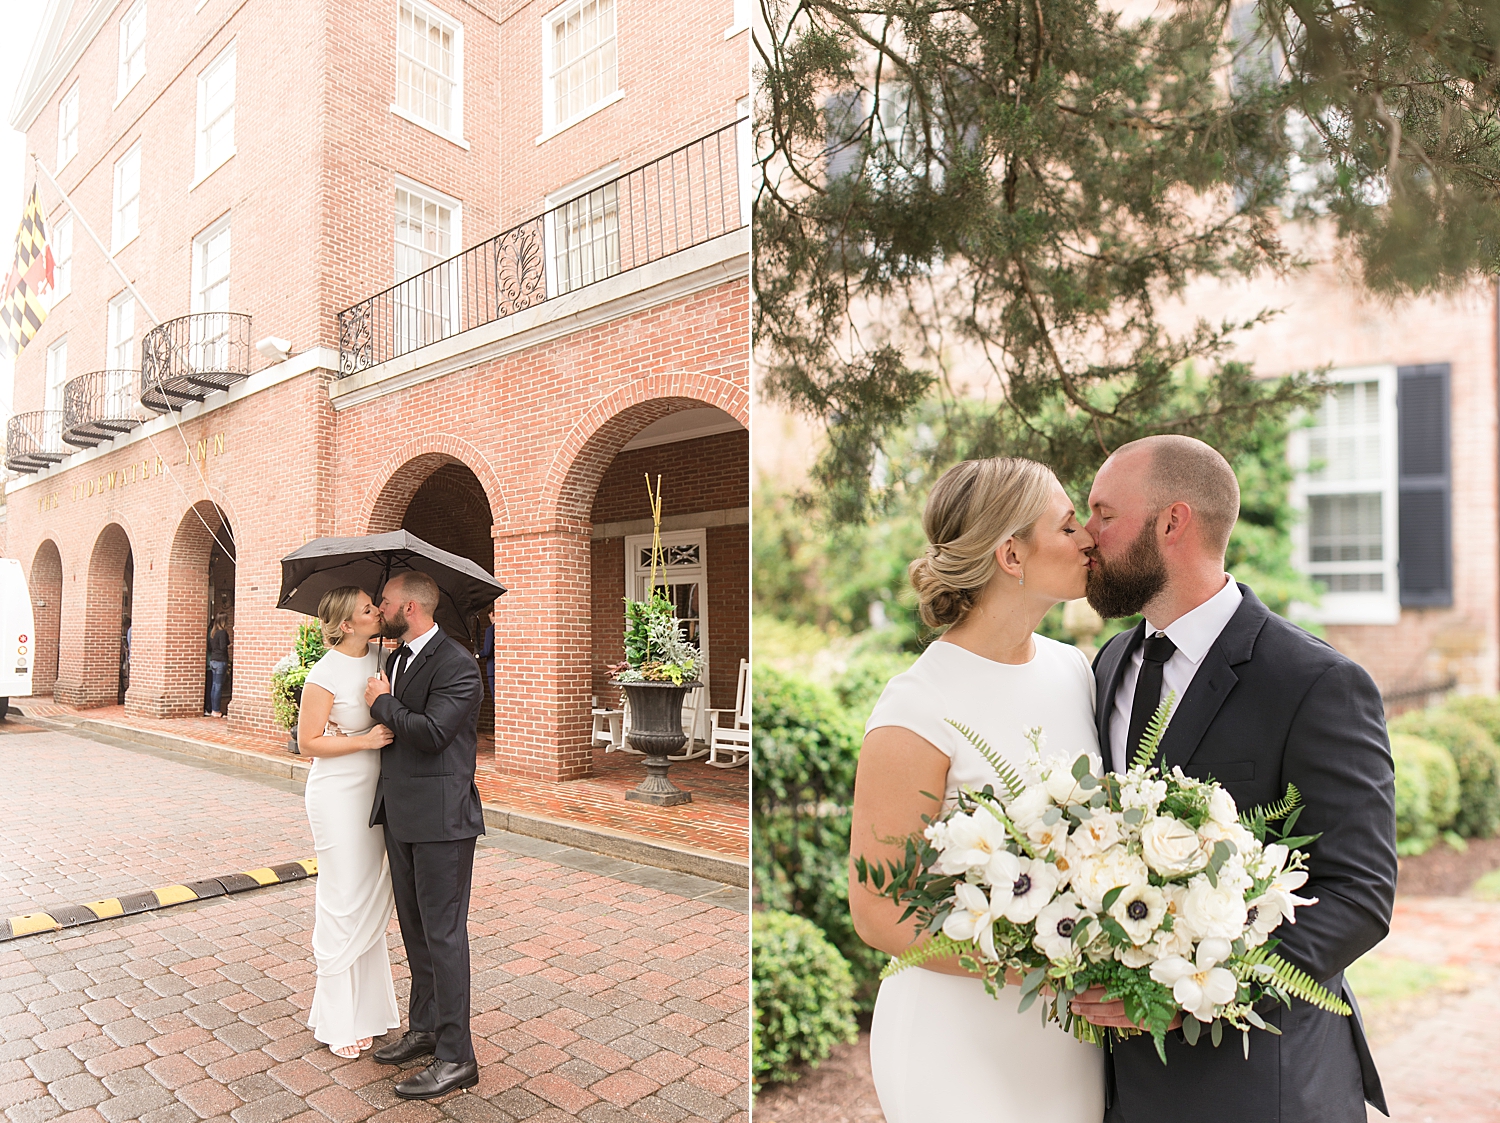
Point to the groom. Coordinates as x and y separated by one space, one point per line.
429 698
1259 704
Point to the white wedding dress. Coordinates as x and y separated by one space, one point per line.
354 996
941 1048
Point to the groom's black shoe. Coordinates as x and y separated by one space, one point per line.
412 1044
438 1079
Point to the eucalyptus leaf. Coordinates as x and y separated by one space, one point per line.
1191 1028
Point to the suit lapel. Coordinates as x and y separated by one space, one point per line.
1216 677
416 661
1112 663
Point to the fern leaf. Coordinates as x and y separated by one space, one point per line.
1002 767
1297 982
1145 756
939 947
1282 807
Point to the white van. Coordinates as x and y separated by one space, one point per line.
17 634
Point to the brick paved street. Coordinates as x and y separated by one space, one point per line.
604 991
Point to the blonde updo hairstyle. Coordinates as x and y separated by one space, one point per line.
973 508
336 607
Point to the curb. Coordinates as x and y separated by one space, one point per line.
70 916
599 840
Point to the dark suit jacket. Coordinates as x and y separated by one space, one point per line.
426 791
1272 705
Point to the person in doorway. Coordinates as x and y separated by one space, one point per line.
486 652
354 1000
429 696
218 663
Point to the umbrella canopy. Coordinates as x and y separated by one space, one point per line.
311 570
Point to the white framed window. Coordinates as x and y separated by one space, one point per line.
132 49
584 231
430 70
1346 489
119 388
742 10
127 210
215 113
62 257
578 62
428 231
67 127
210 335
681 576
57 377
745 146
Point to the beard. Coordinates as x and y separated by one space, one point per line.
395 626
1125 586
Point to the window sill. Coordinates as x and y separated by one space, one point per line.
205 175
125 93
548 134
114 249
429 127
731 32
64 164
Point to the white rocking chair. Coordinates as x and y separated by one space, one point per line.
729 730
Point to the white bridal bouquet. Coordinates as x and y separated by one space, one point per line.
1148 884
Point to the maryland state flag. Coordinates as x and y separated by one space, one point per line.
21 307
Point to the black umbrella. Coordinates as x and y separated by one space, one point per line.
369 562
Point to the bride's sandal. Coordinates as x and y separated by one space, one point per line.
347 1052
364 1043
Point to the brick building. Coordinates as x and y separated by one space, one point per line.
470 269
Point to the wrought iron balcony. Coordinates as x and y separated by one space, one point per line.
33 441
687 197
99 407
186 359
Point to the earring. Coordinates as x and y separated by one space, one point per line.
1023 579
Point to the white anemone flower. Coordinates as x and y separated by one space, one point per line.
973 919
1027 892
1201 986
971 841
1139 910
1262 917
1055 925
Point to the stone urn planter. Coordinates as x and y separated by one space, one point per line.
656 730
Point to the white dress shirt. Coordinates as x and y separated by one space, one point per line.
416 645
1194 633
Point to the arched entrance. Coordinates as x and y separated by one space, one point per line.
46 583
200 583
439 499
94 679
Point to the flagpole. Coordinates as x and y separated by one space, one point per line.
90 231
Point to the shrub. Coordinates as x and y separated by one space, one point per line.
806 748
1478 763
1415 829
803 995
289 674
1484 711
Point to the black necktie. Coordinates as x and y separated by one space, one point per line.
1157 650
403 653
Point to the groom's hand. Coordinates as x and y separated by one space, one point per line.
375 687
1092 1007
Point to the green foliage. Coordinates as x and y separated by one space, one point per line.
1437 765
806 748
802 993
1020 187
289 675
655 650
1478 761
1414 827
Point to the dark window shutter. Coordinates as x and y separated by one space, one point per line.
1426 486
844 118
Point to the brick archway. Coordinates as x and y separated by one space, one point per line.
410 466
91 676
179 693
46 582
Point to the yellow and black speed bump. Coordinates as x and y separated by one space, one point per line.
69 916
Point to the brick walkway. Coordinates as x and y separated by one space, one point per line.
602 991
717 821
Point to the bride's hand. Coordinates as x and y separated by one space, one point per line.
1092 1007
378 737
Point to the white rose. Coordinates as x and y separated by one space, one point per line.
1221 808
1171 847
1063 788
1214 912
1054 928
1027 809
1139 911
1093 877
1136 957
1097 833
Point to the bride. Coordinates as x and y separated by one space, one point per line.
354 1000
1004 547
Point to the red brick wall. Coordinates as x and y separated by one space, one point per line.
705 474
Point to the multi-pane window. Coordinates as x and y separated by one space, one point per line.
127 211
426 235
132 48
429 68
67 127
682 578
57 376
120 358
211 297
586 238
580 60
1346 486
62 257
216 112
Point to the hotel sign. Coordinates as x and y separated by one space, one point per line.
120 478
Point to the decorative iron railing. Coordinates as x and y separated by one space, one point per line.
682 199
186 359
33 441
99 407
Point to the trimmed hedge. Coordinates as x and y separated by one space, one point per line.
1478 761
803 995
1427 789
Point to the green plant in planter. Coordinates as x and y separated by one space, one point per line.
655 650
290 672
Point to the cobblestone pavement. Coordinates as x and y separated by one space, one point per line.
603 991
